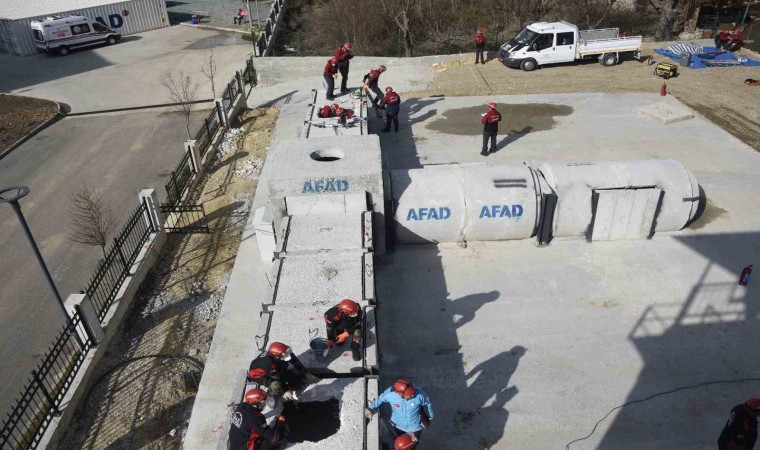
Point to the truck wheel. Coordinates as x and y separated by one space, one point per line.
111 40
63 50
609 59
529 64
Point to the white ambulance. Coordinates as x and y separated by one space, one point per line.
62 34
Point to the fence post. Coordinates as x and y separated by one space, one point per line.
221 113
81 303
149 198
45 392
239 78
176 187
195 155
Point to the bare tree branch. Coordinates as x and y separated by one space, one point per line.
92 220
209 69
183 91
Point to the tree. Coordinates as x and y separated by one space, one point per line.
182 91
92 220
209 69
400 11
666 15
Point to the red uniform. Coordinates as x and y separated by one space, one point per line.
480 47
480 40
738 36
330 70
343 56
490 123
326 111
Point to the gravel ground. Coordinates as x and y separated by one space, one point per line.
20 115
143 404
717 93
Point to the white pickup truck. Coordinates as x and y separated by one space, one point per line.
548 43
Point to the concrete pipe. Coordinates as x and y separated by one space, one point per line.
622 200
457 203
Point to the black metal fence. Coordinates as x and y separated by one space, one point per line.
206 133
114 269
250 76
50 381
180 179
184 218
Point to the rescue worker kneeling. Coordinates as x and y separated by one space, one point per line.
248 427
272 370
344 321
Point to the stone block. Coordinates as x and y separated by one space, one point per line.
666 113
314 233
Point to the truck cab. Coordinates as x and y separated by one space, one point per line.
545 43
62 34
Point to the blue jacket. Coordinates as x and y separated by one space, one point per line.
406 414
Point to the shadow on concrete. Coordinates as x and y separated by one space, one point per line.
710 336
281 100
20 72
512 136
421 341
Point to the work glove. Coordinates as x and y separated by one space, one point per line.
367 413
342 337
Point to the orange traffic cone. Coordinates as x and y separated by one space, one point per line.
663 89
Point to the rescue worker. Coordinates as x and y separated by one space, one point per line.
343 55
490 121
740 431
411 408
343 321
326 112
370 81
248 427
272 370
330 74
737 39
392 102
722 39
405 442
480 46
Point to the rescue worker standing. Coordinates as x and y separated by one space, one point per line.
490 121
740 431
392 102
272 370
370 81
343 55
330 74
410 405
480 46
344 321
248 427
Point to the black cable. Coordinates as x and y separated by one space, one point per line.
682 388
197 363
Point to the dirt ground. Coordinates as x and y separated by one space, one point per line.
143 403
719 94
20 115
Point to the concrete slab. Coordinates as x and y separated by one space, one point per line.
315 126
313 233
666 113
323 278
325 166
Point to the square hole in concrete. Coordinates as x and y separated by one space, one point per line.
311 421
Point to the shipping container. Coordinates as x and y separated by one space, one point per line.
125 17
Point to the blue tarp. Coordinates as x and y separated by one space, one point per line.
699 63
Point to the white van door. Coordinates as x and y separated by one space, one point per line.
565 47
543 48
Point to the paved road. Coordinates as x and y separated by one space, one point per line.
119 155
127 74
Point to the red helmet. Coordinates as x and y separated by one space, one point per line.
754 405
254 396
382 68
348 307
388 89
348 46
492 105
338 108
333 61
404 388
480 31
405 442
280 351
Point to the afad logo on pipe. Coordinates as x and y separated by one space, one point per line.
498 211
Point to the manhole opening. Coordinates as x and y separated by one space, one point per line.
311 421
327 154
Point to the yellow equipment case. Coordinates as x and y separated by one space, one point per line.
666 70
